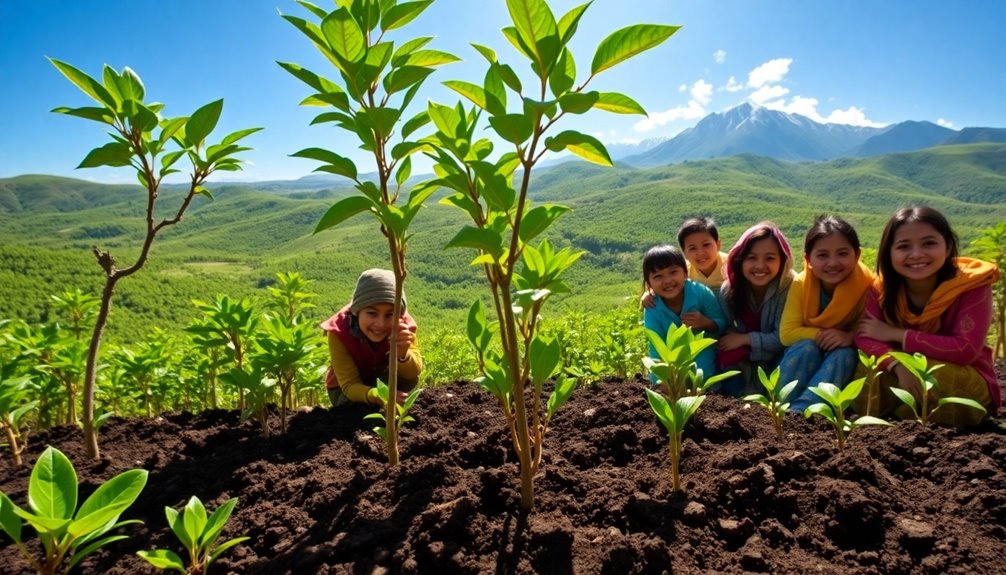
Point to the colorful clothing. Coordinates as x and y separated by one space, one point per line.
357 362
715 279
808 310
696 297
951 329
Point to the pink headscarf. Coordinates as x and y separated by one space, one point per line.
745 239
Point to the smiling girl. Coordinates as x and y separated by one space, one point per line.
929 301
358 342
679 300
823 307
759 273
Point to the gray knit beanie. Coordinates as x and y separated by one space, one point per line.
374 286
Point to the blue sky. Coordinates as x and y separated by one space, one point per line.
847 61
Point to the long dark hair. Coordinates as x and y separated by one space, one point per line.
660 257
825 225
738 290
893 281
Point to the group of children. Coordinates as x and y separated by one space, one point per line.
924 298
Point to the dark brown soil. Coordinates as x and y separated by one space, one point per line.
904 500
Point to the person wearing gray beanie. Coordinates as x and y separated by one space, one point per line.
359 342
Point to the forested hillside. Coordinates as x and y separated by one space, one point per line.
238 242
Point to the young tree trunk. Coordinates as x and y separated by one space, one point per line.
517 386
391 406
15 449
91 371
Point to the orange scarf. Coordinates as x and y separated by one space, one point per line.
846 303
971 274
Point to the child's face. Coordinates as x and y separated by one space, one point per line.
832 259
702 250
918 251
762 263
668 283
377 321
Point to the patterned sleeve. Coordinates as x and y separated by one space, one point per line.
868 345
968 327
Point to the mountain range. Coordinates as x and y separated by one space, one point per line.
749 129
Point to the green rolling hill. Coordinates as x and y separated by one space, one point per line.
236 243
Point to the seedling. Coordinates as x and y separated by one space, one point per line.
198 534
676 370
873 371
836 401
68 534
14 405
776 399
917 364
401 410
674 415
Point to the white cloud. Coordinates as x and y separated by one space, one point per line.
762 96
702 92
720 56
733 85
945 123
769 73
807 107
852 116
683 88
692 111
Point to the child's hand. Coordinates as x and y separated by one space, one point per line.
648 300
875 329
832 339
734 340
695 320
406 336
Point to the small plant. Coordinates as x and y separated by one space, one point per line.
676 369
836 401
258 391
68 534
198 534
917 364
14 405
776 399
674 415
401 410
873 371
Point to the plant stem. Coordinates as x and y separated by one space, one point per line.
15 451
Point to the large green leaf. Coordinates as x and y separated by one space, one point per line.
618 103
93 113
578 102
335 164
404 77
628 42
87 84
473 92
429 58
343 210
9 521
52 488
401 14
545 358
486 240
112 154
587 147
194 518
344 35
538 219
163 559
203 121
563 75
108 502
569 21
537 28
216 522
515 128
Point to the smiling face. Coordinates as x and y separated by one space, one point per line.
832 259
762 263
702 251
668 283
918 251
377 321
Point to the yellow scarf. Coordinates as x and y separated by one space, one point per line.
971 273
846 303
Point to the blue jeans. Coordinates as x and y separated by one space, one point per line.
810 365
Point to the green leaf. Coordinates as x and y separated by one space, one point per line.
108 501
486 240
194 518
335 164
404 52
163 559
87 84
563 75
577 102
537 29
102 115
343 210
401 14
569 21
404 77
545 358
587 147
618 104
430 58
907 398
961 401
477 324
9 521
227 545
822 409
404 171
320 13
473 92
628 42
515 128
111 154
344 36
203 121
130 85
178 527
52 488
870 420
538 219
414 123
235 136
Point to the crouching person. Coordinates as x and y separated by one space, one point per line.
359 337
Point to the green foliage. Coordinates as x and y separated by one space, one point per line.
991 245
14 406
776 399
674 415
675 369
917 365
401 409
836 401
198 534
67 533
